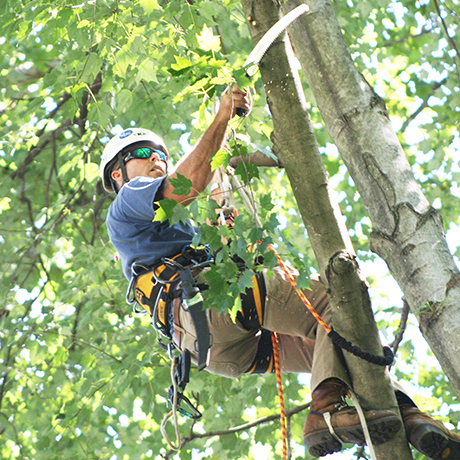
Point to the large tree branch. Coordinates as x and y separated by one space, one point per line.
35 151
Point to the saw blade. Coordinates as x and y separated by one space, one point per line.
270 36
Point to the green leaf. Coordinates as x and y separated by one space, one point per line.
245 280
123 60
180 213
165 210
91 171
4 204
208 41
220 158
100 113
182 185
124 100
181 64
146 71
149 5
247 171
265 202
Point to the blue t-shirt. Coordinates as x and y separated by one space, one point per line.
132 230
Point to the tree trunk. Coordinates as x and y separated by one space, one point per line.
407 232
298 152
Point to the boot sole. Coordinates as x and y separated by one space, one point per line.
433 443
323 443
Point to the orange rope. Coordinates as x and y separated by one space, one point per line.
280 393
301 294
275 341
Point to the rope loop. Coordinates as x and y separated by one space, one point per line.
172 414
341 342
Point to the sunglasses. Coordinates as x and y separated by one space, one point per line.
142 153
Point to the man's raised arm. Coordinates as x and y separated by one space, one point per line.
196 165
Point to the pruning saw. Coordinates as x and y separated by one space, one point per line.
269 37
252 62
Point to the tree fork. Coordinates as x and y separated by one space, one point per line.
298 152
348 291
339 88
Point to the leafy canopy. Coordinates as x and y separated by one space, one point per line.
81 376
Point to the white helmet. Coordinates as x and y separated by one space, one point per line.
122 142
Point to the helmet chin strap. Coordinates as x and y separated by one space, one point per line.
123 172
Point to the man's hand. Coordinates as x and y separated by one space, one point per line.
232 99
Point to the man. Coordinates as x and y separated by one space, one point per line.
134 165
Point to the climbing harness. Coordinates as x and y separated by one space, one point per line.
163 289
156 288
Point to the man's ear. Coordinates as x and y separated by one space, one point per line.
116 175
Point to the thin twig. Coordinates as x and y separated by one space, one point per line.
422 106
402 327
237 429
449 38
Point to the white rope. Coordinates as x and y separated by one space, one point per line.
173 414
328 419
248 199
362 419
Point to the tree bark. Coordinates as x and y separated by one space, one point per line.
407 231
297 149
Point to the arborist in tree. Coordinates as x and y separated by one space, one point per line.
156 257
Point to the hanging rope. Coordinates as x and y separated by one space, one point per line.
279 384
250 203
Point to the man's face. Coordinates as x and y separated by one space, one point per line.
154 166
151 167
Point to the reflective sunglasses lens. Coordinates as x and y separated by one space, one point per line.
142 153
161 155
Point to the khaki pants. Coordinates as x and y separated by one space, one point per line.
303 343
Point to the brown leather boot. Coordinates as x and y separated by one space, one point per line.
331 422
428 435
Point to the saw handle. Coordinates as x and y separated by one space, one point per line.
242 112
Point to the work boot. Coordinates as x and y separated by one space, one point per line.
428 435
331 422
